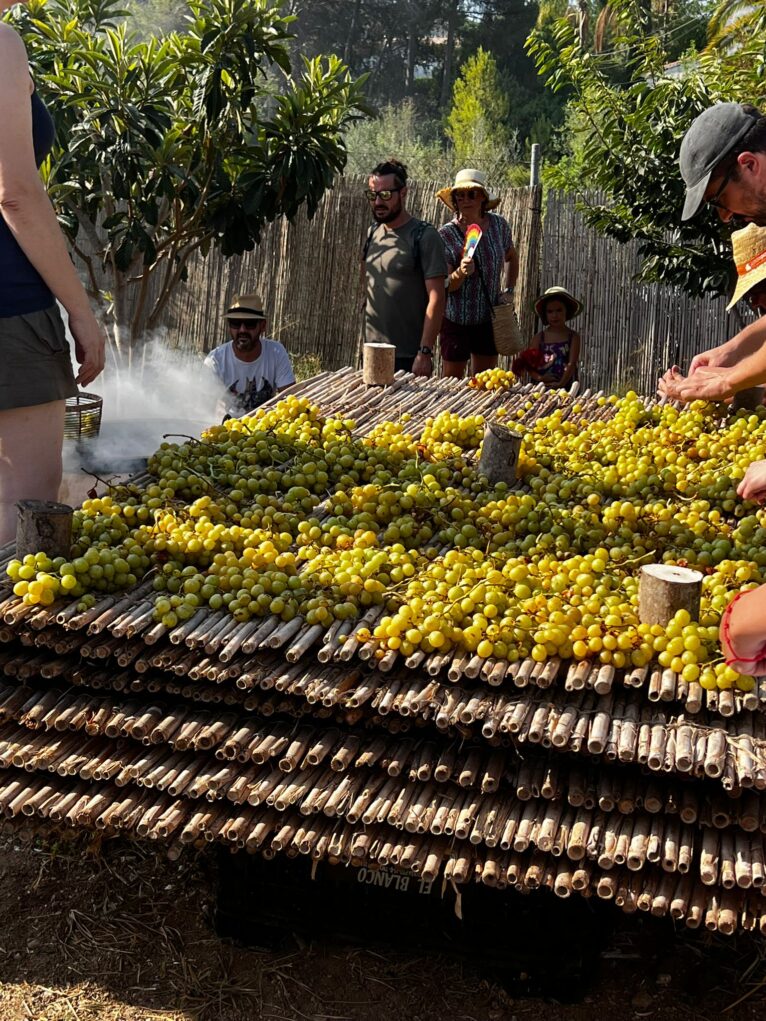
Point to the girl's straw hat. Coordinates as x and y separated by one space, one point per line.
464 179
749 246
573 306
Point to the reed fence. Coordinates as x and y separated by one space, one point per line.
308 272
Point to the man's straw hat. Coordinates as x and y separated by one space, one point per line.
465 179
573 306
245 306
749 246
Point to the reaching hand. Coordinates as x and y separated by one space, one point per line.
715 358
753 485
741 633
423 365
707 384
89 346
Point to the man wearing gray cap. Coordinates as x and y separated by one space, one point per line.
723 164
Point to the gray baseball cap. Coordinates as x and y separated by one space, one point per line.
711 136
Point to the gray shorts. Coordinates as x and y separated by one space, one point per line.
35 364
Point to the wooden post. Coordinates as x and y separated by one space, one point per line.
499 453
748 400
662 590
43 526
534 168
378 364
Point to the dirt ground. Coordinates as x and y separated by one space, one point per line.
119 933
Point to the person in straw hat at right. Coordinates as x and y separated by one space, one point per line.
739 363
749 246
554 352
743 624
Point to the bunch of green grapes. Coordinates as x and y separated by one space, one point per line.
448 435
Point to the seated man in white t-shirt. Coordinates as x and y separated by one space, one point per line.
250 366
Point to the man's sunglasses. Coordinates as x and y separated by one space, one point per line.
469 193
715 200
236 323
384 193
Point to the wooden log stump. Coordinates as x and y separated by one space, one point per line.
748 399
500 453
663 590
378 363
43 526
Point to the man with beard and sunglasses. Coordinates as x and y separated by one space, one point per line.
251 367
723 164
405 269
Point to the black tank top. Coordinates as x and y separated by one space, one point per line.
22 289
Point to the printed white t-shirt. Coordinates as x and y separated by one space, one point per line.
250 384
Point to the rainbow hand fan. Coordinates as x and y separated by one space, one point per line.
472 238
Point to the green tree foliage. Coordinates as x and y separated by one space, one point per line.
734 23
172 146
412 49
148 18
625 142
477 123
397 131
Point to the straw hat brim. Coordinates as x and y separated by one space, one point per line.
246 306
445 194
574 307
745 283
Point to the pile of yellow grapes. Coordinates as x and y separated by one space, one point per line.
492 379
288 513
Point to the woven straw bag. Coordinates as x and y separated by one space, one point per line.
505 330
505 325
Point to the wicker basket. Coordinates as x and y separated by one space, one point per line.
83 416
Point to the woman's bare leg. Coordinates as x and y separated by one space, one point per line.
31 439
481 362
456 369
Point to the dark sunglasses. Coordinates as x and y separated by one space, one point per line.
469 193
715 200
248 323
384 193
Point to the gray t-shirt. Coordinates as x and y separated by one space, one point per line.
396 292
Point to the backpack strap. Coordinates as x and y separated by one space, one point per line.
417 234
370 234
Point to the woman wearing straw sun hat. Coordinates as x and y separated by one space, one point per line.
474 284
552 356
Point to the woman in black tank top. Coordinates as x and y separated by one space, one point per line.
36 271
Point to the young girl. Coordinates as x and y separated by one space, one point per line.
558 346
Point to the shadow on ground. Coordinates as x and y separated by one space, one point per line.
119 933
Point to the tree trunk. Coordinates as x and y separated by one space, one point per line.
348 49
449 53
412 48
582 23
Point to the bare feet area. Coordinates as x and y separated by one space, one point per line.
118 933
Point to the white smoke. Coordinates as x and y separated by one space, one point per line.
165 391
